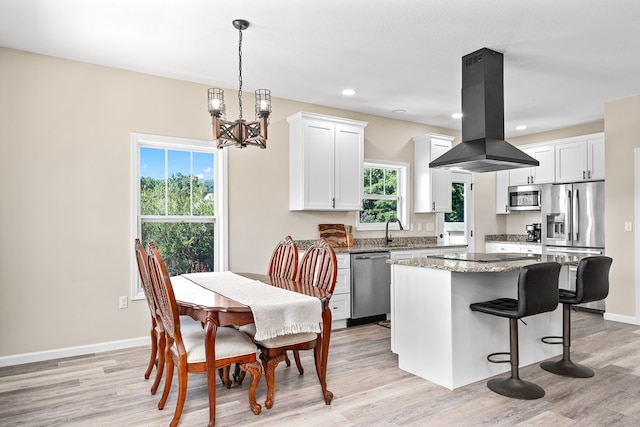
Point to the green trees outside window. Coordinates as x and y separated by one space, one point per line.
177 207
380 201
457 203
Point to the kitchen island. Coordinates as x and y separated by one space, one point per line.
435 334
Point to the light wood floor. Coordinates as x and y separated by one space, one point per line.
108 389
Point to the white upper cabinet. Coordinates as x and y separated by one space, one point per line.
595 158
542 174
325 162
432 187
580 159
502 192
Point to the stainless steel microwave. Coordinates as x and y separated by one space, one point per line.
525 197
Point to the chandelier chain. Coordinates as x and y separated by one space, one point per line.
240 74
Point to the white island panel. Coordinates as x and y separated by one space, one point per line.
437 336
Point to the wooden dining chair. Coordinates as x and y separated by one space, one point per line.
187 350
158 340
157 332
318 267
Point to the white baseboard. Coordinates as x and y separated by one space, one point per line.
40 356
338 324
620 318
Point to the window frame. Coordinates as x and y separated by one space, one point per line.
402 197
220 219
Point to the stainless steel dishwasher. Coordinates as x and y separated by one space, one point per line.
370 287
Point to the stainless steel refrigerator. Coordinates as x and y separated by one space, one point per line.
573 221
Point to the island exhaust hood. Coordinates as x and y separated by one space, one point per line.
483 148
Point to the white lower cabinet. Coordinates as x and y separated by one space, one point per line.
512 248
341 299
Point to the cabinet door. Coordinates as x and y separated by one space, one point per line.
545 172
349 153
595 159
432 189
340 307
343 282
571 161
440 179
520 176
318 140
502 192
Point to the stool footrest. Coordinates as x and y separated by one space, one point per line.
551 340
491 358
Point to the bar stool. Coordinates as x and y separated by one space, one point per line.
537 293
592 284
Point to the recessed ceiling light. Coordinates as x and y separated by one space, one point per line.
456 115
398 111
521 127
349 92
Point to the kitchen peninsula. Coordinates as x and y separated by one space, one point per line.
435 334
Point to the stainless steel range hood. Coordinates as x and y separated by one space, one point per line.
483 148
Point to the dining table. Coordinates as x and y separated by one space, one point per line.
214 309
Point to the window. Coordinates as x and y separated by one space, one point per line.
384 196
179 190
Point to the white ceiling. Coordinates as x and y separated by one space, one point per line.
562 59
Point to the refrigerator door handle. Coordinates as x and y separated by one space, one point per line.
569 218
576 214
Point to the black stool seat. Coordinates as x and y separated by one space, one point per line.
537 293
566 296
592 284
503 307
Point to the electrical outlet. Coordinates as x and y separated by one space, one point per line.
122 301
628 226
419 226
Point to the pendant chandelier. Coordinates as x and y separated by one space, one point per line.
240 132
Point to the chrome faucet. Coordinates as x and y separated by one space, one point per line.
387 238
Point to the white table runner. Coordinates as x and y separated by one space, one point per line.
276 311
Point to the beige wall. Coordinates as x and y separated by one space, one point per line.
65 225
621 132
65 222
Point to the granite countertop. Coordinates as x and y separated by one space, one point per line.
520 239
377 245
483 267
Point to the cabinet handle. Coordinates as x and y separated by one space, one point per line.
434 206
333 203
589 174
506 208
583 175
532 179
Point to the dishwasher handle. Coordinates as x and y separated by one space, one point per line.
375 256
